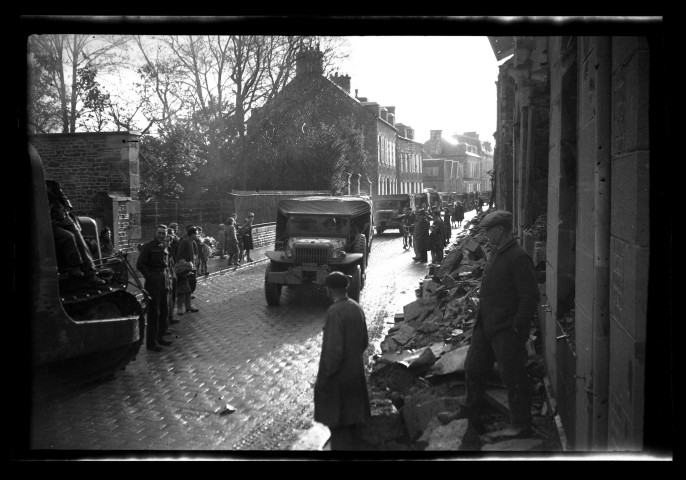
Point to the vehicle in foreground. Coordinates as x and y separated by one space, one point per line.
80 330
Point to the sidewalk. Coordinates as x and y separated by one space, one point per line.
217 264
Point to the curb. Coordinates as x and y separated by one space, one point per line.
228 269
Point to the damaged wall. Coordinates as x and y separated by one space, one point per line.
573 148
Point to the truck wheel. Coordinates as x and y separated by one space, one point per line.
355 284
272 291
360 246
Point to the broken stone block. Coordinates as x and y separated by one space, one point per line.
405 334
451 362
426 339
390 345
385 425
428 327
448 281
439 348
417 308
474 249
429 287
515 445
411 358
497 397
394 377
437 436
421 408
450 263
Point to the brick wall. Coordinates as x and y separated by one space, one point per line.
99 173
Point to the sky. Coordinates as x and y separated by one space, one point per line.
435 82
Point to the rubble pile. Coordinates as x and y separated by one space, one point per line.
420 370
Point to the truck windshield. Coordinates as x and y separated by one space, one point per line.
315 225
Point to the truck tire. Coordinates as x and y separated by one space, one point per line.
272 291
360 246
355 284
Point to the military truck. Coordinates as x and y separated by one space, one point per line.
80 330
429 197
317 235
389 210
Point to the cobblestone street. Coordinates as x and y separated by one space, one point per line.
236 353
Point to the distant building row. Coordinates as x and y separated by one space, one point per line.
400 164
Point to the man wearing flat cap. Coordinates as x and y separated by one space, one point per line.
341 400
508 299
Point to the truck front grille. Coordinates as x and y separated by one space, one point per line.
316 255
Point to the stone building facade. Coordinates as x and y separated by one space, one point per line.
409 161
573 150
331 97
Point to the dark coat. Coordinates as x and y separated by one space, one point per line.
187 250
509 292
421 233
440 233
245 233
340 392
459 212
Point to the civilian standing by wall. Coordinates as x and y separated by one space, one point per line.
221 239
247 236
187 251
231 242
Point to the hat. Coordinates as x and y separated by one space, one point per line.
497 217
337 280
173 224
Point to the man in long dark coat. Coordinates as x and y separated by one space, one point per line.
421 236
341 400
459 213
437 242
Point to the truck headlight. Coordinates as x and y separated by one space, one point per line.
289 247
338 248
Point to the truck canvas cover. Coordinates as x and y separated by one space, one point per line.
319 205
352 206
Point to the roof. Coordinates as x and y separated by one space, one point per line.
502 46
344 205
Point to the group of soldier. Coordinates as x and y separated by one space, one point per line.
429 231
169 265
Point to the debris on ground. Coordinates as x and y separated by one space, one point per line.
420 370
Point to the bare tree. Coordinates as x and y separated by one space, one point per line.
64 59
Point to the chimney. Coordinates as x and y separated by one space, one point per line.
309 62
371 106
383 113
471 135
391 115
342 81
355 184
435 146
